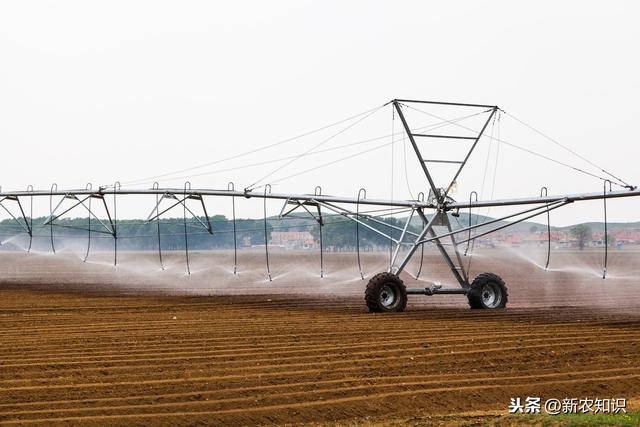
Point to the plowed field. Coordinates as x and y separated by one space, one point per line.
88 354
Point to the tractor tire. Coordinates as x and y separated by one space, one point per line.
488 292
385 292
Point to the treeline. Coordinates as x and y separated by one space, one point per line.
338 232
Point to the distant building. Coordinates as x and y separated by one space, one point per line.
527 239
565 238
292 239
627 237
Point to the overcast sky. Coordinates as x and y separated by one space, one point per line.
104 91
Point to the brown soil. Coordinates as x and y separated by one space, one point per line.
77 349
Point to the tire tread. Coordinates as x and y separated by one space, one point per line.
373 288
474 297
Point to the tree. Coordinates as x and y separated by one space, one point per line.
582 233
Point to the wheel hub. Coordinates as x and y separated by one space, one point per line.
491 295
387 296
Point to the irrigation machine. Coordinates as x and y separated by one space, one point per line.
385 291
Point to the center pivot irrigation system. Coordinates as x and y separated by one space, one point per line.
385 291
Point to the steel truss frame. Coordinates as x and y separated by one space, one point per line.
433 212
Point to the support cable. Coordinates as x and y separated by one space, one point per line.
504 218
578 155
140 236
266 147
430 127
280 159
198 226
526 150
544 208
314 147
331 163
471 243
